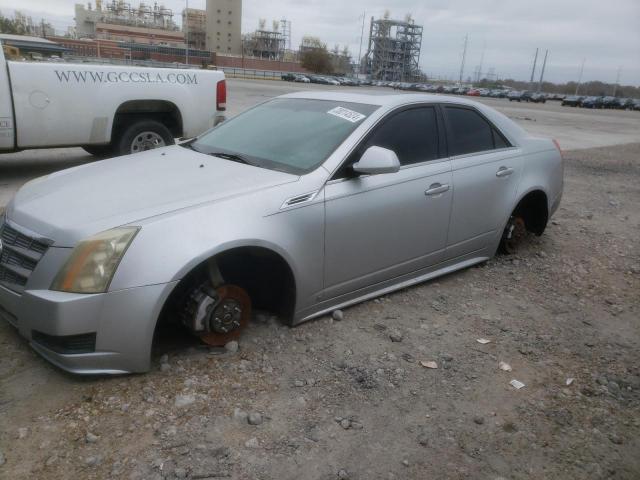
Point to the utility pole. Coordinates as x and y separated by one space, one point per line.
580 76
484 46
186 23
464 55
364 15
533 70
544 64
615 85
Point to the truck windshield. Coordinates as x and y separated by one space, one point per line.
287 134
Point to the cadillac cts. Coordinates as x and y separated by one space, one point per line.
304 204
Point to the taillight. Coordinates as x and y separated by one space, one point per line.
221 95
555 142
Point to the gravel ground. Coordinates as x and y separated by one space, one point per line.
355 397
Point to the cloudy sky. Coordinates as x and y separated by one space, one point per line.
604 33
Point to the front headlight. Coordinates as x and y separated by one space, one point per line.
93 262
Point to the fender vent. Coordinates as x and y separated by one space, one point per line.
298 199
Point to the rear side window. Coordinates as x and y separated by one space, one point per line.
469 132
411 134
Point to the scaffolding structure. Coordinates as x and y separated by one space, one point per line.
265 44
394 50
285 27
119 12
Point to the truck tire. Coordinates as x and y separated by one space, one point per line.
99 150
141 136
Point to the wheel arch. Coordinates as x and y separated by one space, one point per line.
164 111
262 268
533 204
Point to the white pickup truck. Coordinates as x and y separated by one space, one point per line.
105 109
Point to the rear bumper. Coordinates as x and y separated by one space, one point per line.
108 333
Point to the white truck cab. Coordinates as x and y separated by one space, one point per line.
106 109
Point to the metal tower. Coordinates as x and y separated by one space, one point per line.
394 50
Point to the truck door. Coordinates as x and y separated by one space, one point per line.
7 125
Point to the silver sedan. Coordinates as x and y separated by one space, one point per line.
304 204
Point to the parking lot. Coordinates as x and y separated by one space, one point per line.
339 399
573 128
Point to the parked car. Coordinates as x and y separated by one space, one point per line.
301 79
516 96
556 96
321 80
624 104
473 92
609 102
297 206
105 109
538 98
635 104
572 101
591 102
288 77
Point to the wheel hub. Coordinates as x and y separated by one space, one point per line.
218 315
515 233
227 316
146 141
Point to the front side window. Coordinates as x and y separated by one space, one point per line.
469 132
293 135
411 134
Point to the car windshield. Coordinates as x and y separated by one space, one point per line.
286 134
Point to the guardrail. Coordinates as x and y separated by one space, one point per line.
250 73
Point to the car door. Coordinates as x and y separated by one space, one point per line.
485 171
379 227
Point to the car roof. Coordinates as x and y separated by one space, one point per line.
388 101
385 99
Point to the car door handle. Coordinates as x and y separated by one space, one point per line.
436 188
504 172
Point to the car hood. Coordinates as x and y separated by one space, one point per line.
72 204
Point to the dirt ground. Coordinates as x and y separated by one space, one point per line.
341 399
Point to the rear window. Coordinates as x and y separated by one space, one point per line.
469 132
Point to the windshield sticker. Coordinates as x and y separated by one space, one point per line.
346 114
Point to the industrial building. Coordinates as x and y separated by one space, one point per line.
194 27
394 50
119 21
224 19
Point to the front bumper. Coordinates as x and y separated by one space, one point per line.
122 324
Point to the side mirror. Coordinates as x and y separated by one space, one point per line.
377 160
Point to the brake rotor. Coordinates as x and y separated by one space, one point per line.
229 317
516 231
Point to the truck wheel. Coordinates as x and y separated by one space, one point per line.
99 150
143 135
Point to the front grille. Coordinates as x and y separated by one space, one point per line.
68 344
19 256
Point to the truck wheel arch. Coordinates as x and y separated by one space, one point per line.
163 111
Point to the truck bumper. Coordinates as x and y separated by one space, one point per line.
109 333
